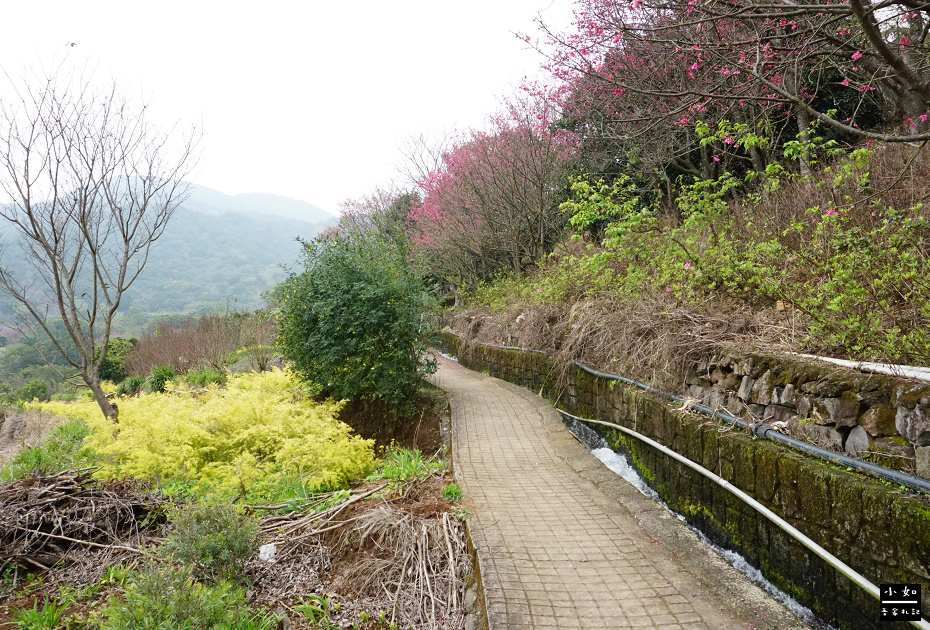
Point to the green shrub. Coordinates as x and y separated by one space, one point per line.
33 390
452 492
158 378
845 260
114 365
214 540
45 618
203 378
352 322
401 464
168 598
130 386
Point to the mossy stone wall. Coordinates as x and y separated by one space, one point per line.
879 530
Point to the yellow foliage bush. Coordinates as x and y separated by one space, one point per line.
258 436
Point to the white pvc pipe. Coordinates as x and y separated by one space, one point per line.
907 371
828 557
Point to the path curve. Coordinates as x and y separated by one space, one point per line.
563 542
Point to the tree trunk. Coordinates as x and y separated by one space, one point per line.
109 409
804 122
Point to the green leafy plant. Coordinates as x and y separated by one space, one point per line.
118 352
317 609
214 540
39 618
63 449
203 378
452 492
160 597
130 386
402 464
33 390
158 378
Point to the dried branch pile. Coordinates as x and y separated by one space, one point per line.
44 520
419 563
403 552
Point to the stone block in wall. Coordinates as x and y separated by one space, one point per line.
765 467
695 392
716 398
778 415
788 498
873 396
879 421
825 436
803 406
731 382
922 456
819 413
846 515
914 424
757 411
762 390
857 442
785 396
742 367
910 395
830 386
844 410
815 497
745 389
891 453
736 406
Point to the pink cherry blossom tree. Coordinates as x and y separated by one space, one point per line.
689 59
493 203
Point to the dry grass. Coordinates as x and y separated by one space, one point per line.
655 339
46 520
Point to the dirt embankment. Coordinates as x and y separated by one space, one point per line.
19 430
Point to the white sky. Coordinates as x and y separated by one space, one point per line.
306 99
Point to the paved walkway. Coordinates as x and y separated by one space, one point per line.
563 542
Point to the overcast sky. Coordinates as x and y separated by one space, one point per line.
305 99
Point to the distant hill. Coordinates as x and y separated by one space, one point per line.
207 200
219 251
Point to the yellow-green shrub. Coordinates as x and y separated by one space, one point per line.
256 437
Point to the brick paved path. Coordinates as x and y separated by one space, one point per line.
564 543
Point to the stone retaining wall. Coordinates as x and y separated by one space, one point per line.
884 419
877 529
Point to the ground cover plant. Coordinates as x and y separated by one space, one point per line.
260 439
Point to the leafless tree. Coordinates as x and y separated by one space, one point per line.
89 185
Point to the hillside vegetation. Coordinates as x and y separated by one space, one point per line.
836 265
695 174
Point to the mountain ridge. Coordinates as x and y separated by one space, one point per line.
210 201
